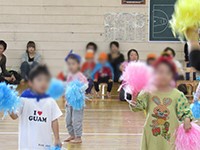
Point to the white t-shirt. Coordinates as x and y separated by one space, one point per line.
35 123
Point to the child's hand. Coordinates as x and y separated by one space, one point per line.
133 101
58 143
110 80
95 80
187 124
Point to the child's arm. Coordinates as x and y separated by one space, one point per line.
140 102
55 128
197 94
13 116
184 112
96 76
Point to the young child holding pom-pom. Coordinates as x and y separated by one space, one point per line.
74 116
39 113
165 107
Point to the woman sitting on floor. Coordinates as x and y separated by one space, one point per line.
30 59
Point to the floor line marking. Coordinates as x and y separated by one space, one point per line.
87 134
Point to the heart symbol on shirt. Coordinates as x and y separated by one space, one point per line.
39 112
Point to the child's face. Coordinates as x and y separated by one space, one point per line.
40 84
133 56
163 75
73 65
102 61
151 62
90 60
31 50
1 49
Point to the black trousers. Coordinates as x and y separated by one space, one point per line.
103 80
195 59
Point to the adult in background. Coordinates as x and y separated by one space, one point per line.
9 77
30 59
115 58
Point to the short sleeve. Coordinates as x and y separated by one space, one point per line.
82 78
19 111
197 94
142 102
55 111
183 108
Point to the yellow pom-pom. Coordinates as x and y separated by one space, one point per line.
186 15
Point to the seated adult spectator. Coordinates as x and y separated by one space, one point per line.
115 58
10 77
30 59
132 56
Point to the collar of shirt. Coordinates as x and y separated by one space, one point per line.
30 94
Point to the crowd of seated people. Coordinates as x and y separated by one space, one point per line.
106 69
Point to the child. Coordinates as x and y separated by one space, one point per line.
74 118
151 59
39 113
30 59
103 73
87 69
165 107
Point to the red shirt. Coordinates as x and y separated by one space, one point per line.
103 72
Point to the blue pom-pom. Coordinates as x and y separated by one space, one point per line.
9 99
56 88
55 148
195 107
75 94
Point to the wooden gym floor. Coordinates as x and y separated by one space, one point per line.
108 125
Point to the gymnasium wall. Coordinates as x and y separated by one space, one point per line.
60 25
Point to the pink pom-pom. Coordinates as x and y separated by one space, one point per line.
188 140
137 77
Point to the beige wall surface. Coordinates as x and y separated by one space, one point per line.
58 26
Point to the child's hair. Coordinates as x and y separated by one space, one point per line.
4 44
170 49
129 53
92 44
169 62
73 56
114 43
39 70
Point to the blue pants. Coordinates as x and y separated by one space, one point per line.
26 68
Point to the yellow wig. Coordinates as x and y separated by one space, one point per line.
186 15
